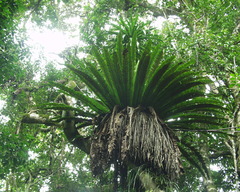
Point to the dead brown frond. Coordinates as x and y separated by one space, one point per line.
135 135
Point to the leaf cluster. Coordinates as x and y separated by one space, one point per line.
128 77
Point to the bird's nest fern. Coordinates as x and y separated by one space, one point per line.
139 93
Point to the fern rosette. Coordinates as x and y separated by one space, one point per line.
141 97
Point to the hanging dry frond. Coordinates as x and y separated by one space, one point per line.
138 135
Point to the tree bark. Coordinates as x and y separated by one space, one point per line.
207 180
70 130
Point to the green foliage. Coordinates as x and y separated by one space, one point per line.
234 80
121 78
194 157
13 156
11 47
132 26
92 103
207 32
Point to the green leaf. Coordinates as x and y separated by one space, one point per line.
62 106
194 157
87 101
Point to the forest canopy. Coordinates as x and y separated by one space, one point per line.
142 96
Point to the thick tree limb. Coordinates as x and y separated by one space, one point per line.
70 130
37 119
72 133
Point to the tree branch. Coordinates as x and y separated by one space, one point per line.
34 118
70 130
159 12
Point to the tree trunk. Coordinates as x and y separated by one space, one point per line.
237 148
207 180
233 143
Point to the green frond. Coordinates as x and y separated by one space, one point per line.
185 95
96 83
194 157
102 62
83 124
62 106
130 63
184 118
141 72
141 90
194 152
174 81
209 121
156 57
95 105
110 69
126 76
110 75
120 52
153 80
129 27
196 104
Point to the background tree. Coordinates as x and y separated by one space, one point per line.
207 31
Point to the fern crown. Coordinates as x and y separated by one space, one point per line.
127 76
